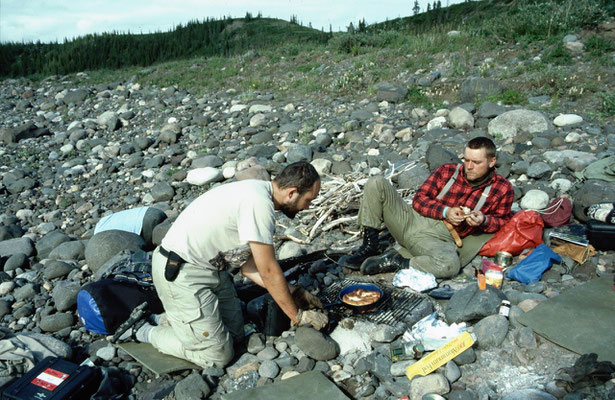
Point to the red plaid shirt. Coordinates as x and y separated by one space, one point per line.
496 208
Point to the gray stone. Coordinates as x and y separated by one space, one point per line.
56 269
559 157
539 170
61 349
72 250
25 292
529 394
491 331
512 123
255 343
462 395
50 241
21 245
432 383
212 161
413 177
535 287
64 294
592 192
469 303
305 364
104 245
169 133
5 308
15 261
76 96
192 387
268 353
467 357
428 79
452 371
162 191
385 333
109 119
203 176
11 231
534 200
254 172
437 155
269 369
524 338
390 92
20 185
490 109
299 153
314 344
460 119
399 368
289 249
26 131
56 322
106 353
475 88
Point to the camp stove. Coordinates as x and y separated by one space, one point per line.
395 308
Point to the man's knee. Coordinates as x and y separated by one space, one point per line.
220 355
374 184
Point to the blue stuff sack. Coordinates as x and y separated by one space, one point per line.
530 269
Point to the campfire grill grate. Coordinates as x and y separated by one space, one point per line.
397 303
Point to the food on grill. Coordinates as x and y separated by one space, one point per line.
361 297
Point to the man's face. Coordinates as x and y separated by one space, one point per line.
476 163
298 202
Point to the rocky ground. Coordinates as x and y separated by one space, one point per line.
71 155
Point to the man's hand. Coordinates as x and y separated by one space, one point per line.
317 319
306 300
455 215
476 218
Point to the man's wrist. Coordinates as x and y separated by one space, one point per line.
484 220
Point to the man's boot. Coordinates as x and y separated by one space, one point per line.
367 249
390 261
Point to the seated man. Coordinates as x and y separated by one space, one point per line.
202 310
470 196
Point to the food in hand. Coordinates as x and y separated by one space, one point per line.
361 297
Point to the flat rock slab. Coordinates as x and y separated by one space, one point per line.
311 385
579 319
154 360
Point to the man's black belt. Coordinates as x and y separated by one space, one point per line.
174 263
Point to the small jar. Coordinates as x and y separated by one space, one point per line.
505 308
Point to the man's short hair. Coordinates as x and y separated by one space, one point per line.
301 175
482 142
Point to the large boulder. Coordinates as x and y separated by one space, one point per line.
474 88
106 244
72 250
512 123
390 92
437 155
75 96
592 192
21 245
470 303
26 131
50 241
314 344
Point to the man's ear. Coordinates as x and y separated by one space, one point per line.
291 192
492 162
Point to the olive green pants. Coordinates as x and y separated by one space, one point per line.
203 311
426 241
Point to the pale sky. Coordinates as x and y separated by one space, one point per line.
51 20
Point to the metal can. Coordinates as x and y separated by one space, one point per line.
504 308
503 259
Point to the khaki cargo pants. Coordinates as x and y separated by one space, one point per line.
203 312
426 241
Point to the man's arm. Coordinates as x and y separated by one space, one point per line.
263 269
424 201
501 213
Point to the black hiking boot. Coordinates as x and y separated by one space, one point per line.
390 261
368 248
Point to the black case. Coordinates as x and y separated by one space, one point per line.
55 379
601 235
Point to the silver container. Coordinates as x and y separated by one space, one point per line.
504 259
